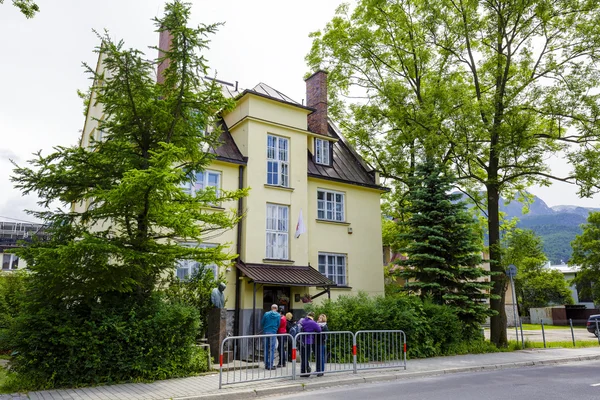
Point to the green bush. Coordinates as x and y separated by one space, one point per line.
12 287
83 344
431 330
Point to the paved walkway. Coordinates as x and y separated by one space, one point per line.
206 387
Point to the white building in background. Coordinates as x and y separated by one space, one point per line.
11 233
569 272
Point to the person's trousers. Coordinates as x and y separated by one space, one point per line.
269 343
320 357
282 347
306 352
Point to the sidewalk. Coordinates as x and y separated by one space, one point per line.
206 387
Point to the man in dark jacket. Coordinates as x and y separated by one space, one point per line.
308 325
270 323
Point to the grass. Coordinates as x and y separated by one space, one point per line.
514 345
538 327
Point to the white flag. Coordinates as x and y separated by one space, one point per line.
300 228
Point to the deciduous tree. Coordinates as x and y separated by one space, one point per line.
535 285
493 88
586 254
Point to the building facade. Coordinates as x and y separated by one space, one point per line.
312 224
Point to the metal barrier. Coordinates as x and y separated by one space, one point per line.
251 358
323 352
255 358
379 349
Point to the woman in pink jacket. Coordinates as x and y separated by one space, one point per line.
282 339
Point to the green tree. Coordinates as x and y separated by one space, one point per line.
27 7
126 212
535 285
444 247
491 87
586 254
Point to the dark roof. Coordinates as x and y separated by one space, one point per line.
267 90
347 167
287 275
228 151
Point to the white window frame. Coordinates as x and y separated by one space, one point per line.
186 268
334 266
322 151
277 232
202 181
278 161
332 207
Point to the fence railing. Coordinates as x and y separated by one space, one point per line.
550 331
380 349
276 356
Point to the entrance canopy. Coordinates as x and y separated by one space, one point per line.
284 275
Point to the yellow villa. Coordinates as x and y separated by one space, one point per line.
312 225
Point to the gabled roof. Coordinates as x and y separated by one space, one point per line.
347 167
287 275
228 150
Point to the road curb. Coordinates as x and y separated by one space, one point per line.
300 386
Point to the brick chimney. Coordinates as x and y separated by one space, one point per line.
316 97
165 41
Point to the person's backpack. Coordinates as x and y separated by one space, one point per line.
296 329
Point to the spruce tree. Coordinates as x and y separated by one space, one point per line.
444 246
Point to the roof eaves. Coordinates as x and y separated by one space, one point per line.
328 178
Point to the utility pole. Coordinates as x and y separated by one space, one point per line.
511 272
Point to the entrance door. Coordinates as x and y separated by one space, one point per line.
279 295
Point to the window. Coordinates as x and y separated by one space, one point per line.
277 232
277 161
9 261
330 205
203 180
333 266
322 151
187 268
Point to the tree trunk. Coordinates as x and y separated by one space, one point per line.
498 321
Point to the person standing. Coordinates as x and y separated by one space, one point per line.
309 326
282 339
320 343
290 322
270 324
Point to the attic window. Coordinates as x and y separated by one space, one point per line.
322 151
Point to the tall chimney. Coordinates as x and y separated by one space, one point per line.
316 97
165 41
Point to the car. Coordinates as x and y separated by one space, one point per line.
591 324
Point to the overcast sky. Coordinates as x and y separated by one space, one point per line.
40 67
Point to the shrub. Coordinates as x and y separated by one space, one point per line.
85 344
12 286
194 292
431 330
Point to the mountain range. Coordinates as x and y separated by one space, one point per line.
557 225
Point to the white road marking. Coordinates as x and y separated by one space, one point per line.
595 384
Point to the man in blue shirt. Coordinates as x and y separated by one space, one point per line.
270 323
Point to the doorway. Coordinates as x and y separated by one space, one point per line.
279 295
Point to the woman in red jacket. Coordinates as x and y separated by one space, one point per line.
282 339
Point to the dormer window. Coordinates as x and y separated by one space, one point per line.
322 151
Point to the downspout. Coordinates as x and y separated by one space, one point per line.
238 274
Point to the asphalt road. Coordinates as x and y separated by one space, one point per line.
578 380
